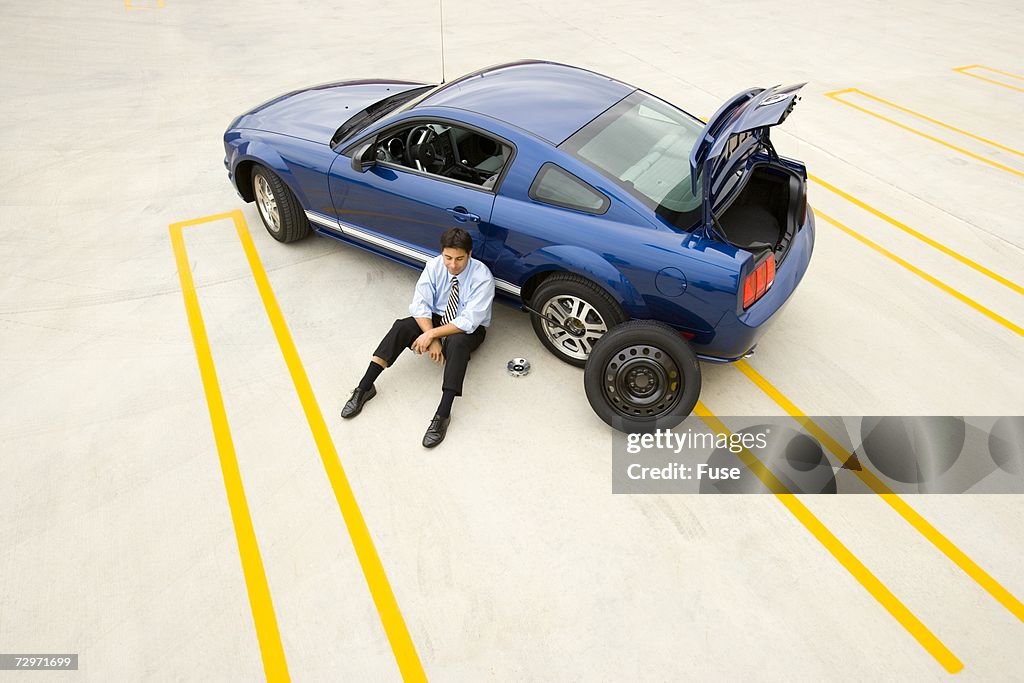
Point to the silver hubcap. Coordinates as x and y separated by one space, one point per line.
585 325
268 205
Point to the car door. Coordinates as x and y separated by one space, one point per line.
402 206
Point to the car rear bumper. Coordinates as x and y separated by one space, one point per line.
736 334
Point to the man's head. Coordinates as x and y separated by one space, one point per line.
456 248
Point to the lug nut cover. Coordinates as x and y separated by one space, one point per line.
518 367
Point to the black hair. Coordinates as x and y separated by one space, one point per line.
457 238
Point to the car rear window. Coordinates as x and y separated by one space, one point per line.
555 185
644 145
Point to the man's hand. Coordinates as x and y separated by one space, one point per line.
423 342
435 351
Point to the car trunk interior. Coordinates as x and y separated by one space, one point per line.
765 212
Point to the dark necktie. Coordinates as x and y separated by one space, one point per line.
453 303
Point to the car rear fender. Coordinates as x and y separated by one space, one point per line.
585 263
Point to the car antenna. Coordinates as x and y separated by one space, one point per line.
440 9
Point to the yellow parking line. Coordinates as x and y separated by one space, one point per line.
878 590
937 122
1004 73
902 508
996 164
129 6
380 589
964 71
924 238
269 637
923 275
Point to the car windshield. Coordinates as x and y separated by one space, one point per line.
375 111
644 144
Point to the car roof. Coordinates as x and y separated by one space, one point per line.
548 99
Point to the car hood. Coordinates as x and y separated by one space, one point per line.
314 114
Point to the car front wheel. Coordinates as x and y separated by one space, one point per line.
642 376
574 314
279 209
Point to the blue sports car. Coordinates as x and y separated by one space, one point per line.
638 237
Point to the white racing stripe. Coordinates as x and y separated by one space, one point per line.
392 246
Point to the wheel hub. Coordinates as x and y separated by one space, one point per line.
575 327
642 381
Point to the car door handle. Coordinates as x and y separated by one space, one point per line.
461 214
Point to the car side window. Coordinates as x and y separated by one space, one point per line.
440 149
554 185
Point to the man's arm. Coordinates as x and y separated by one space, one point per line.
423 300
439 332
420 309
430 340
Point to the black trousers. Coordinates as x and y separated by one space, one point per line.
457 349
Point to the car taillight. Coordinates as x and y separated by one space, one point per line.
759 281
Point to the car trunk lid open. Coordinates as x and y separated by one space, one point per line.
751 198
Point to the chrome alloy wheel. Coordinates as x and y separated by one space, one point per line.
642 381
268 204
581 324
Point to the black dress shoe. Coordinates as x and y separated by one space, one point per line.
357 401
436 431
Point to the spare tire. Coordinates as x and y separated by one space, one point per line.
642 376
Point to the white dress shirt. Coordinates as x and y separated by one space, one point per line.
476 294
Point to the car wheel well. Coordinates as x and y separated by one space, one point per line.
243 180
531 285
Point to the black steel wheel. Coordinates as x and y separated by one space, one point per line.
642 376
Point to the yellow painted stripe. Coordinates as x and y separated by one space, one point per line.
1017 329
929 119
229 215
1016 77
274 665
878 590
989 80
942 124
129 6
1006 282
902 508
380 589
996 164
1004 73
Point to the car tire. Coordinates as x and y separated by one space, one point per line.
279 210
642 376
576 302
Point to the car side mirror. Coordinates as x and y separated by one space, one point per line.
364 157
